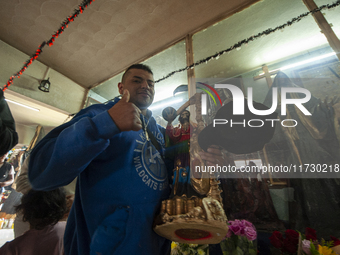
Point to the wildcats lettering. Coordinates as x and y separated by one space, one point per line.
142 136
137 162
163 185
149 165
146 179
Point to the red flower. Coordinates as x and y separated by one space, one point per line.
292 235
276 239
335 240
310 234
290 246
290 243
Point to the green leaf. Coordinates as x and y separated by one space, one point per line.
239 251
313 250
252 252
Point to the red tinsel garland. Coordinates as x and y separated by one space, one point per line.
50 42
206 60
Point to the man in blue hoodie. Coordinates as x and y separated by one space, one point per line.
115 150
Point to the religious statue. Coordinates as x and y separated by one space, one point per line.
194 212
178 148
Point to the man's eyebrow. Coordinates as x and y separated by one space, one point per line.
138 77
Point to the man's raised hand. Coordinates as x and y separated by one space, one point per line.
126 114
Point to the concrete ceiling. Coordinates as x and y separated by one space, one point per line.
101 42
109 35
112 34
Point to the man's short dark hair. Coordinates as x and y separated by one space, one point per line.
137 66
43 208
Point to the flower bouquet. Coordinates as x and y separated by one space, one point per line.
296 243
240 239
189 249
311 246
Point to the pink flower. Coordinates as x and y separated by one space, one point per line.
242 228
237 227
250 233
247 223
306 246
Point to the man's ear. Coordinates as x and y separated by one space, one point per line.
120 88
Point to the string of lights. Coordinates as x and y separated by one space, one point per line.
50 42
252 38
237 45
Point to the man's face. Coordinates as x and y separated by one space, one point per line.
140 84
184 116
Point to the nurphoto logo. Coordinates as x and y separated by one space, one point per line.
239 99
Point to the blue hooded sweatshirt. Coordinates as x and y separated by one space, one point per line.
122 180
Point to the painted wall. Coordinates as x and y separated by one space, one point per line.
64 93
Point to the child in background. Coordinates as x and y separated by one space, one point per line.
43 210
